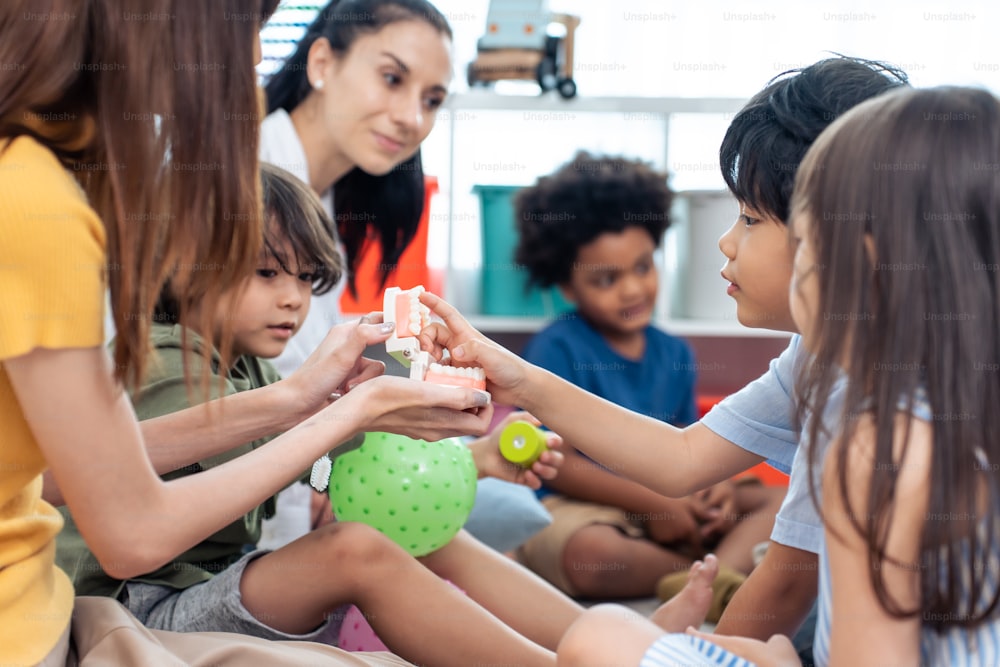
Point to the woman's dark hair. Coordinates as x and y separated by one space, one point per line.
172 179
293 214
901 198
389 205
588 196
768 137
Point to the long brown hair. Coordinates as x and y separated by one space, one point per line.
153 104
903 199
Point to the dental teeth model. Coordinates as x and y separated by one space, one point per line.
403 307
462 377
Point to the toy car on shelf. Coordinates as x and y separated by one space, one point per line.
517 46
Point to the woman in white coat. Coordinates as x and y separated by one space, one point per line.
347 113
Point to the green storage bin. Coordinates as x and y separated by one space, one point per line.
505 288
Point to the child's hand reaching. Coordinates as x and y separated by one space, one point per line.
490 463
505 371
422 410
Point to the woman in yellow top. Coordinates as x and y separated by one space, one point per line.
172 187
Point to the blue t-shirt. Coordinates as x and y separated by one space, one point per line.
659 385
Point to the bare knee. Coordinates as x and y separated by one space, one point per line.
357 546
590 559
595 637
775 497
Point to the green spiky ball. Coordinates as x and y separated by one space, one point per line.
417 493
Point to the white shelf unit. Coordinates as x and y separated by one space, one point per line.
460 117
484 100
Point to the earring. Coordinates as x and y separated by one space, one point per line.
318 84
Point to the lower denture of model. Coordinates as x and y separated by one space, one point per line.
457 376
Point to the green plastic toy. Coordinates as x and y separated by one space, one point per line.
522 443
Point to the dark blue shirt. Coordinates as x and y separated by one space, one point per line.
659 385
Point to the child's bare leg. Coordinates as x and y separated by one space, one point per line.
607 635
689 607
756 506
515 594
602 562
293 588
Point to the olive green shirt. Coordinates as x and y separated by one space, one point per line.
164 391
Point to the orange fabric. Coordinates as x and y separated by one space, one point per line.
412 269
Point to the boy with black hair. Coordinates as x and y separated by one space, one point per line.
759 157
591 228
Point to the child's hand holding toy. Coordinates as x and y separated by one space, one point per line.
491 461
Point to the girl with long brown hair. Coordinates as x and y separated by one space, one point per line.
896 217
